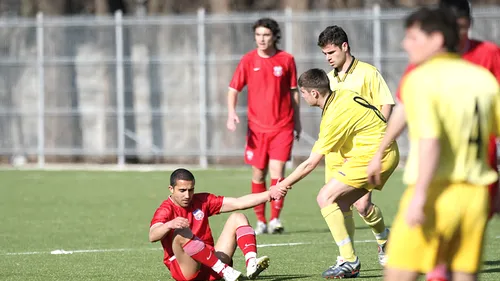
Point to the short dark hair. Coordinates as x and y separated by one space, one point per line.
315 78
180 174
437 20
270 24
332 35
461 8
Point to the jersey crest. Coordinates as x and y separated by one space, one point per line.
277 71
198 214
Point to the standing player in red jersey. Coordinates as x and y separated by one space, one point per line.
482 53
181 224
273 114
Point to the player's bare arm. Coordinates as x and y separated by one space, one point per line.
296 107
299 173
232 117
394 129
428 154
244 202
159 230
386 110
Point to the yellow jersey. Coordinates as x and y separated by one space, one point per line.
365 80
350 126
458 103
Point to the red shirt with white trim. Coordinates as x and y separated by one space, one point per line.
268 82
203 205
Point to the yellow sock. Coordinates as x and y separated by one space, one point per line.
335 220
375 220
349 224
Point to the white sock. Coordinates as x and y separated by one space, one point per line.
219 266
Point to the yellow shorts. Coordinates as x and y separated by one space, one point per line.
353 172
453 232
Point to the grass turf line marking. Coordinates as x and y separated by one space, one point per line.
64 252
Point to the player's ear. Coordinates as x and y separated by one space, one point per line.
171 188
345 47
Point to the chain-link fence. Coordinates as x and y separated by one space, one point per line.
153 89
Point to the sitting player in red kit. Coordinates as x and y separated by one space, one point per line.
181 224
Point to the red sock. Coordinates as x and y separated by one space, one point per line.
276 205
196 249
260 210
245 238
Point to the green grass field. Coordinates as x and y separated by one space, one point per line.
104 218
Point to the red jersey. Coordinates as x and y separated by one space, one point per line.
268 81
202 206
483 53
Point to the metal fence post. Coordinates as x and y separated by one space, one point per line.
41 90
377 38
202 62
120 92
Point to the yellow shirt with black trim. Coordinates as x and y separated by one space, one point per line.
350 126
365 80
458 103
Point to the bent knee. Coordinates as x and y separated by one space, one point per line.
238 219
363 207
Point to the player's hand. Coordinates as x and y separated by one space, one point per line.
232 120
298 129
178 223
415 215
374 169
276 192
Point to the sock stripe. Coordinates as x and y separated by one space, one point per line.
193 247
344 242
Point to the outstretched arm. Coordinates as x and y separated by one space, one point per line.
299 173
244 202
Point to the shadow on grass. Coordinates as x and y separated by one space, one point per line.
281 277
495 264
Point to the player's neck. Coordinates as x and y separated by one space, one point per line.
267 53
322 100
464 46
346 64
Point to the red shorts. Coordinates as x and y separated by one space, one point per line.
492 157
262 147
205 273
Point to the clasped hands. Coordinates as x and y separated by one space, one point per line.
278 191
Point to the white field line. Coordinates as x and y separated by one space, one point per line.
64 252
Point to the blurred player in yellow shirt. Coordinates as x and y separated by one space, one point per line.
364 79
353 128
452 107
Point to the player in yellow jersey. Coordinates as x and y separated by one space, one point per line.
364 79
352 127
452 107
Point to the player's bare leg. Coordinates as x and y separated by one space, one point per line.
391 274
276 171
238 232
462 276
259 185
335 199
372 216
191 252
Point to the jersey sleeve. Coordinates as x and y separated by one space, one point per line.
421 108
214 204
380 91
293 73
495 64
239 79
161 215
331 134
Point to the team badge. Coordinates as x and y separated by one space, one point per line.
249 154
278 71
198 214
